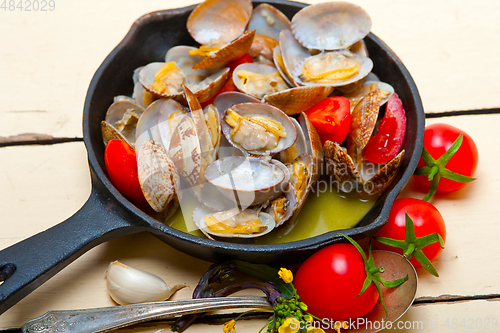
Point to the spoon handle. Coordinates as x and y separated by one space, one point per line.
110 318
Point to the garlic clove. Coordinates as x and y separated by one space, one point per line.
128 285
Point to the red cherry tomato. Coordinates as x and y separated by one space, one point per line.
329 281
229 85
121 164
386 143
426 219
437 140
332 118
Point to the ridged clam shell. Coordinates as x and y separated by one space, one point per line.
377 183
280 66
330 25
293 54
157 175
248 109
219 20
116 112
291 196
268 20
170 113
147 126
248 181
365 88
262 49
363 120
200 212
296 100
185 152
300 146
339 164
200 124
315 147
109 132
235 50
204 83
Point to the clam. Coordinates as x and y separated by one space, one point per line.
147 127
267 21
315 148
386 90
316 52
157 175
248 181
166 79
258 129
234 222
258 80
300 146
219 26
298 99
330 25
121 120
348 166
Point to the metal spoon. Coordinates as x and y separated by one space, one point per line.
114 317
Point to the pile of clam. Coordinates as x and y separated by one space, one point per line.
251 157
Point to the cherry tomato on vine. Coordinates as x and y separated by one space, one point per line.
229 85
452 162
329 281
332 118
386 143
121 164
427 220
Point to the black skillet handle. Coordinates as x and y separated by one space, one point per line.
28 264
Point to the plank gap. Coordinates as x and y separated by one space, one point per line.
462 113
454 298
27 139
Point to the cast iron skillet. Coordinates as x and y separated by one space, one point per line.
108 214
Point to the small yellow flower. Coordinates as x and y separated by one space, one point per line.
286 275
308 318
229 327
339 325
314 330
291 325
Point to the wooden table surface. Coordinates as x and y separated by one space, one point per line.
47 59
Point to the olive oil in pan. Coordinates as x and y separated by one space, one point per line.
329 210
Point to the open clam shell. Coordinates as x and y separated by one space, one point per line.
315 148
331 25
298 99
247 181
264 110
185 152
169 116
258 80
322 60
219 20
200 212
157 175
363 121
232 51
230 98
286 201
124 115
300 146
376 183
109 132
386 91
204 83
268 20
147 127
292 54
